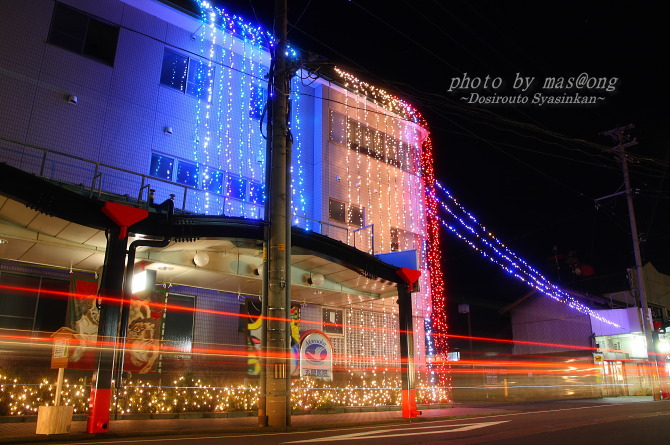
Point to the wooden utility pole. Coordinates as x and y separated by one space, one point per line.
624 141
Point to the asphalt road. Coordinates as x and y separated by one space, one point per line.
629 423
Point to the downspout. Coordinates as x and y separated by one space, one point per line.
168 204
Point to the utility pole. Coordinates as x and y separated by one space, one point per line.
277 335
624 141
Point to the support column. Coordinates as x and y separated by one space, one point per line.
409 410
110 294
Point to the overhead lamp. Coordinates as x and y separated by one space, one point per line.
316 279
201 259
144 281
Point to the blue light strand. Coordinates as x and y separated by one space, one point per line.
477 237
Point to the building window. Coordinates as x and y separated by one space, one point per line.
212 181
395 239
346 213
373 143
236 187
187 174
336 210
356 215
256 192
35 310
206 178
178 333
161 166
79 32
258 100
332 321
338 128
392 152
186 74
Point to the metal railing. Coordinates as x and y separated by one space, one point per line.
70 169
104 179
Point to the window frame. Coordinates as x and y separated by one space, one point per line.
187 83
346 212
93 32
332 327
185 353
331 213
246 190
342 139
359 213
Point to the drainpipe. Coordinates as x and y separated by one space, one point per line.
128 286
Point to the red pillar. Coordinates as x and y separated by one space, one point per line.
111 291
111 296
410 276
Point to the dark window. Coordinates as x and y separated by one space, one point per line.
199 79
178 333
392 151
332 321
355 136
174 70
187 174
185 74
18 298
161 166
367 141
406 160
395 239
79 32
378 146
236 187
258 100
338 128
52 306
256 192
26 303
212 181
355 215
336 210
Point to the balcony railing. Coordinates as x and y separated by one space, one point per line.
97 179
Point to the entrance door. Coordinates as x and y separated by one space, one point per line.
614 379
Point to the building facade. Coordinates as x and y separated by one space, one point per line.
140 103
583 355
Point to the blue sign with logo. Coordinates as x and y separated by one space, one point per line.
316 355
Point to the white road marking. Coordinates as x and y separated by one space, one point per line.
379 434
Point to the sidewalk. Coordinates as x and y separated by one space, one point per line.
24 432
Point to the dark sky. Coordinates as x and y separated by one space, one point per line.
529 173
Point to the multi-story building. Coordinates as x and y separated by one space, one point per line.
141 103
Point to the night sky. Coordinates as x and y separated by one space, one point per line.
530 173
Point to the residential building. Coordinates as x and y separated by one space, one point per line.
560 352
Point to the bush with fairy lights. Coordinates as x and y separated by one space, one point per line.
191 394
